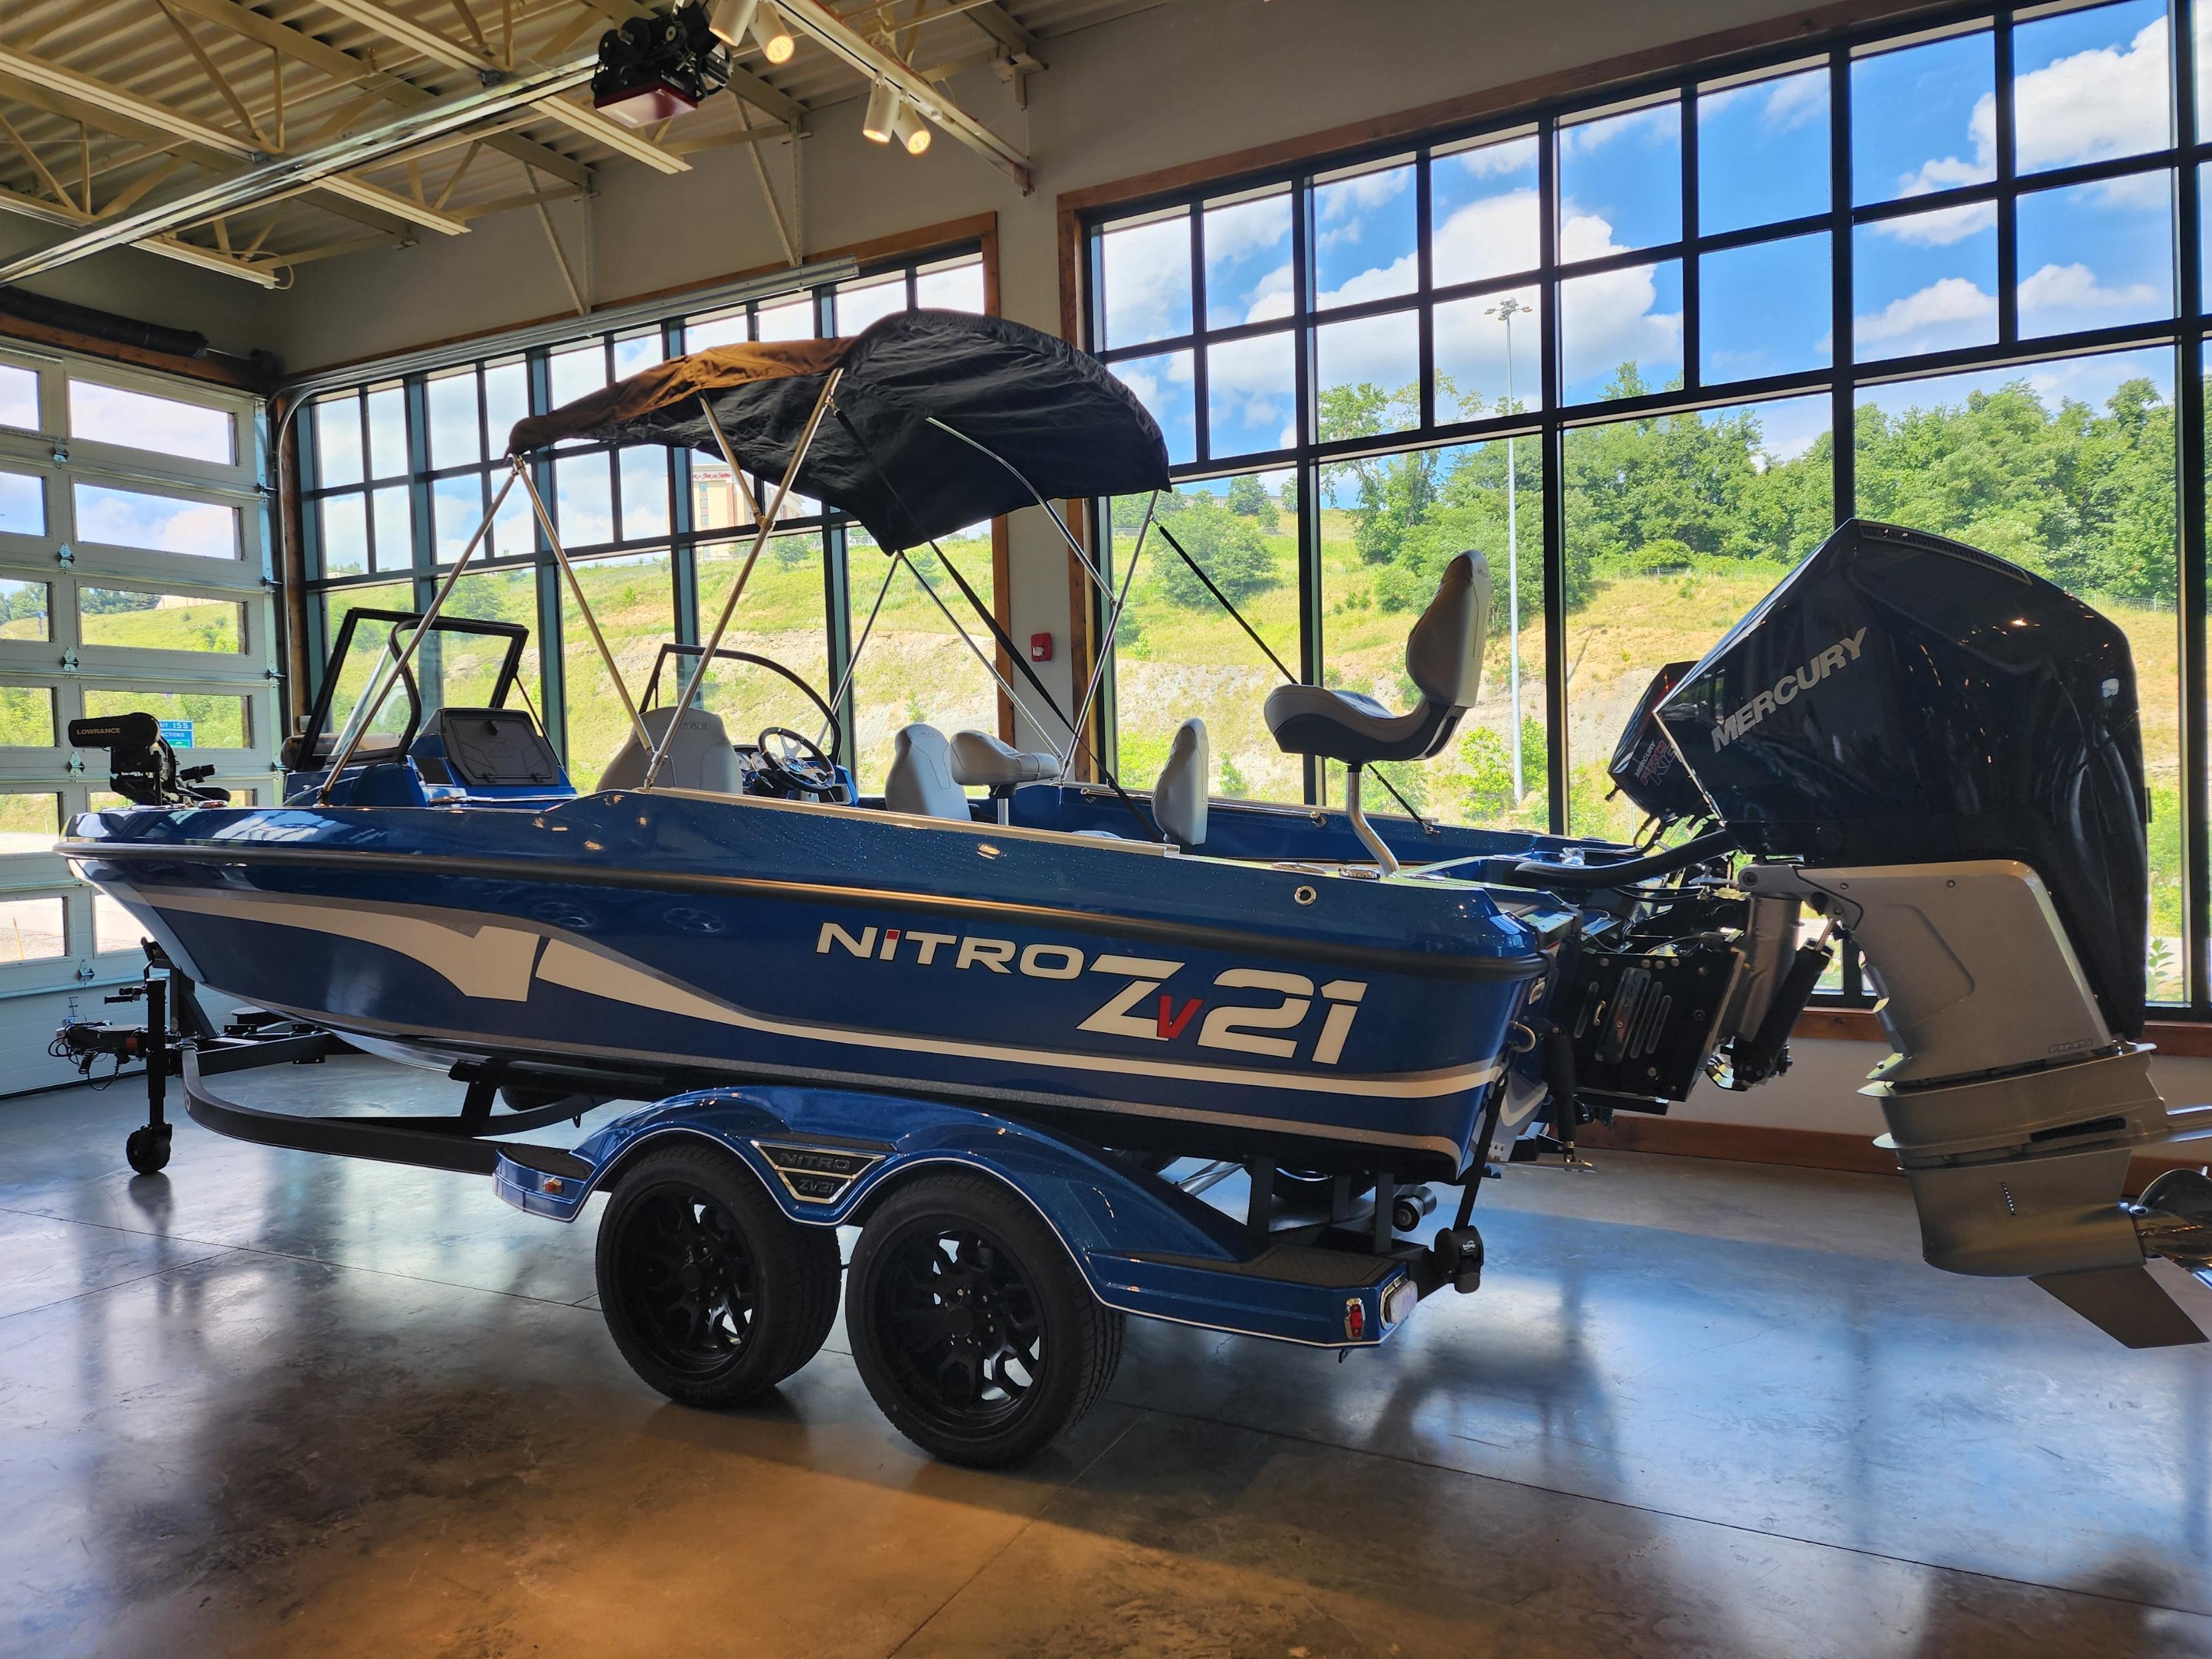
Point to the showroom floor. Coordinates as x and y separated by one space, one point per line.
274 1403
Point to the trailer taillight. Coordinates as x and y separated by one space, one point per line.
1355 1319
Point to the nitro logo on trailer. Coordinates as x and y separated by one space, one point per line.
1840 655
1139 1006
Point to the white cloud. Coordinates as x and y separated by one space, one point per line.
1940 228
1946 313
1377 282
2088 107
1608 319
1147 281
1272 296
124 518
1251 382
1245 228
1793 101
1345 198
1493 237
2070 295
1492 161
1659 124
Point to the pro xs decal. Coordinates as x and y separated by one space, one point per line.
1840 655
1141 1008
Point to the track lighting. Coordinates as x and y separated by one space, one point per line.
913 132
776 41
733 20
885 105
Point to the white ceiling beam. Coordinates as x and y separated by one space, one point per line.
286 174
146 113
873 63
32 207
428 43
350 71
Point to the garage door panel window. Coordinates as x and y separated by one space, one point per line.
190 719
31 930
142 620
22 504
19 398
30 821
142 420
159 524
25 608
26 717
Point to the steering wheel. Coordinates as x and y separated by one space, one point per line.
796 762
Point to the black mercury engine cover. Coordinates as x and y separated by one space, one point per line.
1902 699
1645 767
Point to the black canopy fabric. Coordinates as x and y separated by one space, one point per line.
1050 413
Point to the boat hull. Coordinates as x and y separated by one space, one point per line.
1149 999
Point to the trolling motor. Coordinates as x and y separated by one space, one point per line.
141 767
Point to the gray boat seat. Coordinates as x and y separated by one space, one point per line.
1179 797
920 780
699 755
981 761
1443 655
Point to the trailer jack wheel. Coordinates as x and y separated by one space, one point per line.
974 1332
148 1149
712 1295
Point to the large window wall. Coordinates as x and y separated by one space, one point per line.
132 576
396 475
1644 353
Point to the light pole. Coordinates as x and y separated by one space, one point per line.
1506 311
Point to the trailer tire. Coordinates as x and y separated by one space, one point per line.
712 1294
975 1331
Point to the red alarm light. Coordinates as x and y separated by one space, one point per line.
1039 648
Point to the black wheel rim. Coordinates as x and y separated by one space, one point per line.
687 1283
961 1328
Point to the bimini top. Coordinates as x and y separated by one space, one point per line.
1052 419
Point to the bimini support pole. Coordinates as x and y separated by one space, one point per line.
853 659
968 639
372 699
1059 524
744 572
561 555
1097 675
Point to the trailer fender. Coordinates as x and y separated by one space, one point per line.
826 1156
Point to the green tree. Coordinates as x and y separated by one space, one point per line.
1249 498
1230 550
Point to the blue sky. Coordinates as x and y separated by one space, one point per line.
2090 85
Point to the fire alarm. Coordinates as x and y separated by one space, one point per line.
1039 648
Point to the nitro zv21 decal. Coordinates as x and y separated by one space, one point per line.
1140 1006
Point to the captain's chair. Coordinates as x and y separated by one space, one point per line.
1179 797
1443 655
980 760
699 755
920 780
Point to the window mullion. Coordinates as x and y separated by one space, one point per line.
1555 479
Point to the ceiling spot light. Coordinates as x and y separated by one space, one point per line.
913 132
730 19
777 42
884 107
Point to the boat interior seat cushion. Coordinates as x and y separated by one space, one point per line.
699 755
981 761
920 780
1443 657
1179 797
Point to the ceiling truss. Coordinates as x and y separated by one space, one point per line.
121 116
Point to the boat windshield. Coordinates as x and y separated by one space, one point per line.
463 663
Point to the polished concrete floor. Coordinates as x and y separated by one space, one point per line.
270 1403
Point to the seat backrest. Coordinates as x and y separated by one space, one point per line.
921 778
1179 797
981 761
1443 653
699 755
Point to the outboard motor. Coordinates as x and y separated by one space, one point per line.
1939 750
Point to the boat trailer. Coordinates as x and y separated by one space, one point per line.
989 1248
